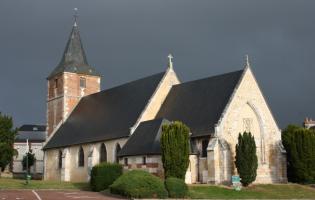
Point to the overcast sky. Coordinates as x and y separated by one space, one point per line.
130 39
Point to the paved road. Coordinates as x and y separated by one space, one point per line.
51 195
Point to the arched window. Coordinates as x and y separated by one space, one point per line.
60 159
116 153
81 157
204 146
103 153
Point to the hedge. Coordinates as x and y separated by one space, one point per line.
103 175
300 146
176 187
139 184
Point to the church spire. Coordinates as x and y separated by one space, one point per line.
74 58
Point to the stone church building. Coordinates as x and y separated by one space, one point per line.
122 124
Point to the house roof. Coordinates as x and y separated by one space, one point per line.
200 103
106 115
74 58
32 127
145 140
34 133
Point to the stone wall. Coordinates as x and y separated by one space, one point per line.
36 148
70 171
154 165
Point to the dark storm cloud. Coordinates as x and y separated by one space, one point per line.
126 40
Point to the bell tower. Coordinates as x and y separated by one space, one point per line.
72 79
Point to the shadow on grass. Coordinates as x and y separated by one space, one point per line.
82 186
107 193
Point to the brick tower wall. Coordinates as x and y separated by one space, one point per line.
64 93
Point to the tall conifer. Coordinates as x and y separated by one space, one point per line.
175 149
246 159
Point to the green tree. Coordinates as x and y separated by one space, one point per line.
175 149
28 160
246 159
7 137
300 146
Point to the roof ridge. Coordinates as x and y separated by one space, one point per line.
209 77
200 103
124 84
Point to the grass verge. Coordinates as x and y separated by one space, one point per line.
269 191
9 183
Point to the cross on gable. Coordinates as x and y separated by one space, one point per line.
170 57
170 63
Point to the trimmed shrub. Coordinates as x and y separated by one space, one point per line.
175 149
246 159
139 184
103 175
300 146
176 187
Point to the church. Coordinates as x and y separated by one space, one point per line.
86 126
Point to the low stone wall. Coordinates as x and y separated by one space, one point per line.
154 166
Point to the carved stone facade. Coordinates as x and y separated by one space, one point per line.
247 111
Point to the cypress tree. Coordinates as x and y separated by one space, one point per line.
175 149
246 159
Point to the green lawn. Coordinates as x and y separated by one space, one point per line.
284 191
276 191
9 183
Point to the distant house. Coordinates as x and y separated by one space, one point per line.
36 136
309 123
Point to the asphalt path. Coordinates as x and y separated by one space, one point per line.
52 195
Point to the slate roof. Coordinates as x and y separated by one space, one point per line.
106 115
200 103
145 140
34 133
31 127
74 58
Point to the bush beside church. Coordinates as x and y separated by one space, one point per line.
300 146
